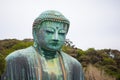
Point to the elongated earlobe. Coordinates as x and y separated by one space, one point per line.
35 38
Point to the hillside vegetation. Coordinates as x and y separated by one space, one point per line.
101 64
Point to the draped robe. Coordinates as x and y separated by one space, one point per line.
26 64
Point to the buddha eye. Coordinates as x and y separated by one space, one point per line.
62 32
49 30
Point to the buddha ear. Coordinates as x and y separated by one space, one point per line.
66 27
34 32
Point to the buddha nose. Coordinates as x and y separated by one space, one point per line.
56 37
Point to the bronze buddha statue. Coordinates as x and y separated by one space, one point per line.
45 60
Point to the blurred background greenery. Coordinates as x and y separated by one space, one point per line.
104 61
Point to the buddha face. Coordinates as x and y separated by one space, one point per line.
51 35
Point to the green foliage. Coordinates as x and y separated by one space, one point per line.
91 51
2 63
84 60
21 45
112 70
100 58
80 52
71 50
9 45
108 61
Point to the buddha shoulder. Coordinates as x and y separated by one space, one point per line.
21 53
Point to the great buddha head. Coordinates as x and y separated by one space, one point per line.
49 30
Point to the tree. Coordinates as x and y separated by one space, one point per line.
2 64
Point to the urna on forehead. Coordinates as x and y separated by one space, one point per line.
50 15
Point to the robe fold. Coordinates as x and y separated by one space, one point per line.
26 64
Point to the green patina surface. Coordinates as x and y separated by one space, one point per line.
45 60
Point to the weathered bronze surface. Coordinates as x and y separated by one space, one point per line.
44 60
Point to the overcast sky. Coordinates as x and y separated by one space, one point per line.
94 23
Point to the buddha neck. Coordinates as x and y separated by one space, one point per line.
48 54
